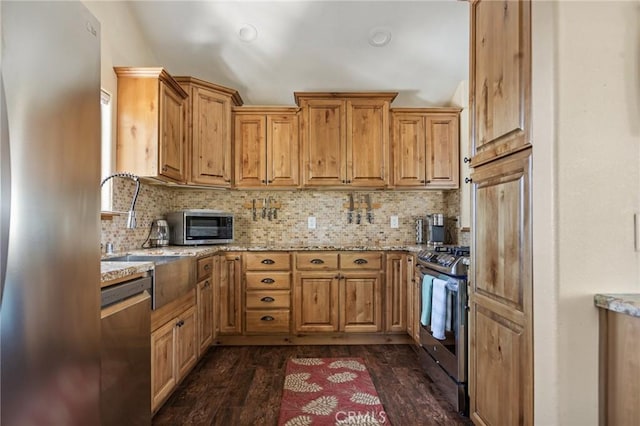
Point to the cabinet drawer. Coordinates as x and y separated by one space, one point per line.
268 280
268 299
317 261
205 265
268 261
268 321
360 260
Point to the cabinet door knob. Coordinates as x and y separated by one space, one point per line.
468 180
467 160
317 261
268 261
267 299
360 261
207 267
267 280
267 318
206 284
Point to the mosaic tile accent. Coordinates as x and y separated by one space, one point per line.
290 228
153 202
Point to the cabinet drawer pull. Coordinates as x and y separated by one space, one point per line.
360 261
267 318
268 261
317 261
267 299
207 267
268 280
180 323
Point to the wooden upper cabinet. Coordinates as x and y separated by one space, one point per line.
208 136
345 139
266 147
150 131
500 84
426 148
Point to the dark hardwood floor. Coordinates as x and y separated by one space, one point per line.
242 385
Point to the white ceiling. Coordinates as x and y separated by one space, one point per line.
314 46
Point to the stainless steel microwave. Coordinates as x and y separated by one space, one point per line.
200 226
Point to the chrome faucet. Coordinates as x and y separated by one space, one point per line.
131 217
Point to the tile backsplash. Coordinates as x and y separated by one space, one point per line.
290 228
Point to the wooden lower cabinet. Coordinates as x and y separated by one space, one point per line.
229 294
174 349
267 306
619 368
316 301
204 302
414 299
361 302
397 270
348 299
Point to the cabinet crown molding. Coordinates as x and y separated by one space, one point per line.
233 93
151 72
389 96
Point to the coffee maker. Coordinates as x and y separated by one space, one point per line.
159 233
435 229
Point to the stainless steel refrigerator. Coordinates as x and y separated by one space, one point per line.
50 233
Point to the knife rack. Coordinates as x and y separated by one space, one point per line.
259 204
362 206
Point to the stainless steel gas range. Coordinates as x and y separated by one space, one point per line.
443 324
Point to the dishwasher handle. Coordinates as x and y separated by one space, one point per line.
119 292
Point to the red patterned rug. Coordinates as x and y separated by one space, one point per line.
329 391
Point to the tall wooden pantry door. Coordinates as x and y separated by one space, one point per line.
500 297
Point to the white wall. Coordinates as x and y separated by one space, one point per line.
586 188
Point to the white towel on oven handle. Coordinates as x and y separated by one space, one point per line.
438 308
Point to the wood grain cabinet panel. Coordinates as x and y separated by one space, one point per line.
345 139
398 270
501 286
174 347
150 130
501 353
267 306
619 368
230 294
204 303
316 301
266 147
500 81
367 158
186 347
361 302
163 362
208 138
425 148
338 291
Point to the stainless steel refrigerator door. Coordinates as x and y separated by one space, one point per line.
50 312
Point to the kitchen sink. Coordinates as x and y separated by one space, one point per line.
173 276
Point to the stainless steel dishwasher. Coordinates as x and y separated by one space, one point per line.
125 389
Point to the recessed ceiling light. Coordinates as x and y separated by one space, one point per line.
379 36
247 33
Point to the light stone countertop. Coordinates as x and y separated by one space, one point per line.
628 304
114 270
110 271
